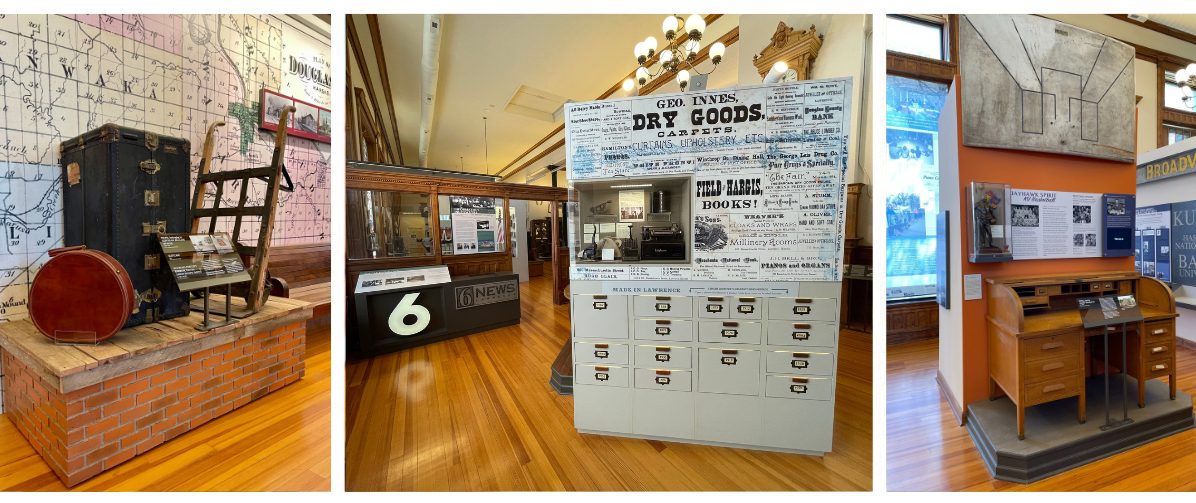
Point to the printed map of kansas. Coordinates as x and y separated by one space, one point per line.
1031 83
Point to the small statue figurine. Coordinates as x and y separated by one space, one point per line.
986 216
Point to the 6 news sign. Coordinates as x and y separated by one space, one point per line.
486 293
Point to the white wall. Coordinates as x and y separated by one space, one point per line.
951 320
519 262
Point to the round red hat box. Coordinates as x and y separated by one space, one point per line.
81 296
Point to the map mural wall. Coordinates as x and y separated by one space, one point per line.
173 75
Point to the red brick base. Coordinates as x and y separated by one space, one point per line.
90 430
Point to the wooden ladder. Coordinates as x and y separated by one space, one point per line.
259 288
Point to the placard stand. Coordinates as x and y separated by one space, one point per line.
1106 313
201 261
207 322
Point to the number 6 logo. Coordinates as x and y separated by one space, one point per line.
398 317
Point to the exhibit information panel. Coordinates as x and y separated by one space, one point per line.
1049 224
706 258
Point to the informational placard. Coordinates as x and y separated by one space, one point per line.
769 166
1048 224
1110 310
1152 242
390 279
1183 243
631 205
1118 225
475 226
202 260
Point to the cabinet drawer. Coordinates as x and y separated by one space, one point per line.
746 308
1051 347
802 308
1044 370
1052 389
729 332
789 333
593 316
713 307
804 363
600 352
670 380
1158 368
731 371
663 357
664 330
1160 330
801 388
602 375
664 306
1158 350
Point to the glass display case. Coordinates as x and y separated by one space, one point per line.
991 222
388 224
471 225
644 220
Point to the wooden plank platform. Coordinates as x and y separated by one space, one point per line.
73 367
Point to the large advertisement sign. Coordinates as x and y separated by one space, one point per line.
1048 224
769 166
1152 241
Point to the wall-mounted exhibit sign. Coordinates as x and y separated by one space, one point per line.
1152 242
475 226
1032 83
769 166
309 121
1048 224
1183 243
1118 237
1181 162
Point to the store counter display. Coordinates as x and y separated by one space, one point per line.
87 408
707 264
1039 350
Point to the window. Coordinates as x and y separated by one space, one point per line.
471 225
1176 134
1173 95
916 37
385 223
911 120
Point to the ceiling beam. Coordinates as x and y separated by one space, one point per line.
681 39
728 40
380 54
355 44
1158 27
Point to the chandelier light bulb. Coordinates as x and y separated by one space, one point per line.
1191 68
666 56
695 25
641 52
1181 75
691 49
717 50
628 85
669 27
683 78
650 42
641 75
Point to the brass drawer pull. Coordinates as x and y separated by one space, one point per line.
663 322
803 301
801 380
747 299
1158 331
1158 349
602 346
602 369
1052 345
663 349
1052 366
714 299
664 298
664 372
1161 366
1053 388
801 326
599 297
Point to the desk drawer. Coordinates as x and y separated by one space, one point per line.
600 353
802 308
1056 346
788 333
713 307
663 357
669 380
789 362
602 375
1045 370
663 330
729 332
1052 389
1158 350
1160 331
746 308
1158 368
801 388
664 306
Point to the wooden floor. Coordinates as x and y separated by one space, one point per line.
929 451
477 413
278 443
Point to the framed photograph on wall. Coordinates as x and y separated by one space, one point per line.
309 120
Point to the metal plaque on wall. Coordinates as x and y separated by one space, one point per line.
1032 83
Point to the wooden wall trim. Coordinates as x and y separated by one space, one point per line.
380 55
911 321
376 180
956 410
1157 27
355 45
710 18
917 67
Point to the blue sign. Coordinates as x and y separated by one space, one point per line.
1152 246
1119 225
1182 247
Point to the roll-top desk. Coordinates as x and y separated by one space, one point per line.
1038 349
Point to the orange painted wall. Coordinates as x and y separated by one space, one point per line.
1025 170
